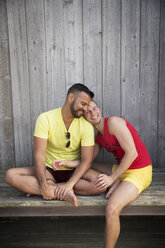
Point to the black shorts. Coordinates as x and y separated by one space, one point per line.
60 175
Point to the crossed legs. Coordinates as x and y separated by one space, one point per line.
25 179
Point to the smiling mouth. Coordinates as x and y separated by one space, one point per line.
94 118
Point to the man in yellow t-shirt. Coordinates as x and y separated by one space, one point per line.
64 134
50 126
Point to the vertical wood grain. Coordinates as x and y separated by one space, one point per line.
92 40
7 159
20 82
150 15
161 106
130 61
56 78
111 28
35 21
73 42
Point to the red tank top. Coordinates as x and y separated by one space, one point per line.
110 143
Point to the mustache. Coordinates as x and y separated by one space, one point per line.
80 110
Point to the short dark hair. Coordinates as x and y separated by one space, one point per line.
80 87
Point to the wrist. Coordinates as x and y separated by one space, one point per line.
113 177
43 184
70 184
67 163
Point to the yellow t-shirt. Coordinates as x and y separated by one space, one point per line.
50 126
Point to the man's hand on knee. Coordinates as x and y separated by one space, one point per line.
112 188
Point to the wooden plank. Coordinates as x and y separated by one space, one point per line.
6 120
92 42
150 15
111 29
80 211
56 77
73 42
15 203
111 32
92 35
3 26
161 116
20 82
130 61
36 42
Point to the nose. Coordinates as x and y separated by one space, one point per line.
92 112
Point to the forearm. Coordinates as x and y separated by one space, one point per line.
72 163
79 172
40 170
125 163
104 181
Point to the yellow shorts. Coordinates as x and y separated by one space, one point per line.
141 178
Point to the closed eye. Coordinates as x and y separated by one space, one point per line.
84 103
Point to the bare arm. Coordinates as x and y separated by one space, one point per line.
40 146
58 163
85 164
73 163
118 128
96 151
39 159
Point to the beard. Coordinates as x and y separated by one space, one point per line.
74 111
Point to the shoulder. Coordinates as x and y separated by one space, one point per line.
85 125
49 114
115 119
85 122
115 123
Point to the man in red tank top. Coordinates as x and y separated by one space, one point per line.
131 175
124 181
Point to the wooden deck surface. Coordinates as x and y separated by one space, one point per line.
15 203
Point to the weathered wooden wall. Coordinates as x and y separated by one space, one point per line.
116 47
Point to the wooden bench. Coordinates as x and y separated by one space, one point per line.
15 203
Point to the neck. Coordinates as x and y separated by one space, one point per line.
66 115
100 126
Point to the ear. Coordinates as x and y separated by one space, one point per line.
70 97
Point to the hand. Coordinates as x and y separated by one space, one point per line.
57 164
48 192
103 181
62 190
112 188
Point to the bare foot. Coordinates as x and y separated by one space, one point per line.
71 197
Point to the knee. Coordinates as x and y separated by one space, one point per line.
100 191
9 176
93 185
111 213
